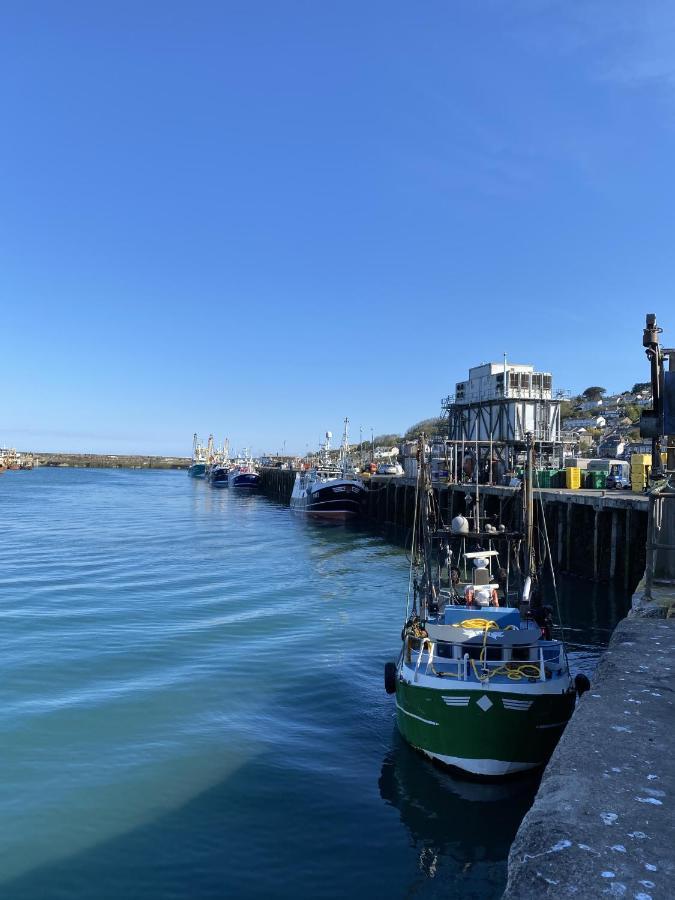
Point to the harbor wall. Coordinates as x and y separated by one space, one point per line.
601 823
110 461
277 483
597 535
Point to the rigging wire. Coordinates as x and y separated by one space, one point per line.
553 578
412 550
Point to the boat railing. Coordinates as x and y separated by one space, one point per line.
464 665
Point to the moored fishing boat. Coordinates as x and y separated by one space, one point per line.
219 476
218 464
329 490
480 685
243 473
197 468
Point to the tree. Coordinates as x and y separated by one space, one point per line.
594 393
386 440
429 426
632 412
641 386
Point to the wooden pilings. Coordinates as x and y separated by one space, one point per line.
277 483
601 538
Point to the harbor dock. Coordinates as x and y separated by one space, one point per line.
601 822
599 535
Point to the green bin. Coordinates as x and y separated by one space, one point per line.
543 478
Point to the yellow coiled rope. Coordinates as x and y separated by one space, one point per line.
514 672
476 624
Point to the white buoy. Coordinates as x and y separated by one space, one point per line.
459 525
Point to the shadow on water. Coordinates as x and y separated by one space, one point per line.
332 804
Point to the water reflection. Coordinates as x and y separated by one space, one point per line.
455 822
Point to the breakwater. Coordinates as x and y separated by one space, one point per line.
599 535
110 461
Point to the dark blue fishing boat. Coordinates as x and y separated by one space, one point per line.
218 476
243 473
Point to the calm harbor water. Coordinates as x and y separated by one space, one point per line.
193 703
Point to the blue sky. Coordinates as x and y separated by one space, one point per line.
255 218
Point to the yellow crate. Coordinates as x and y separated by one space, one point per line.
572 478
641 459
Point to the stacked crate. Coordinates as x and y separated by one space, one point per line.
572 478
640 464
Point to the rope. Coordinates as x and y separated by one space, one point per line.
511 671
412 551
476 624
550 563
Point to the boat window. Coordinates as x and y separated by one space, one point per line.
474 651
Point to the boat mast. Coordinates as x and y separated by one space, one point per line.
345 447
425 491
528 508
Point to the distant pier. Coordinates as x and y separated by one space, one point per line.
111 461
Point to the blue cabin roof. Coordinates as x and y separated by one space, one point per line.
503 615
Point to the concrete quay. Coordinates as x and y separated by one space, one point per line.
602 821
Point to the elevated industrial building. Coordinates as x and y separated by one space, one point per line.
492 411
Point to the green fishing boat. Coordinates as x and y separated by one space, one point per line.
197 468
480 683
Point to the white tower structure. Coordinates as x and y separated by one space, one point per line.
497 406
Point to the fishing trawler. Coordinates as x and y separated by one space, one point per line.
197 468
480 684
329 490
218 464
243 473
